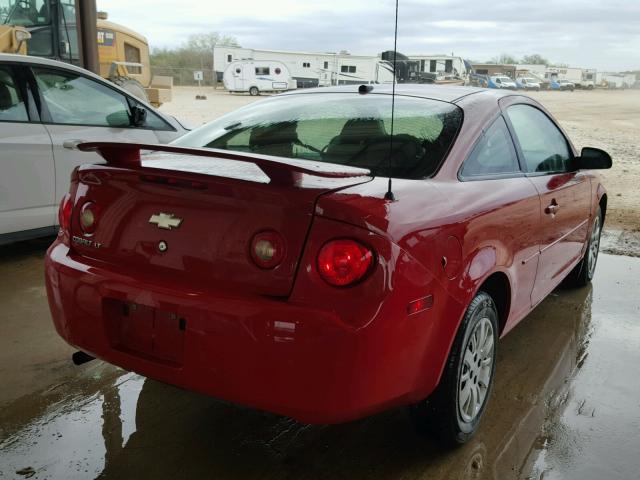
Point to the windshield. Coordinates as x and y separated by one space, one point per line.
504 79
341 128
24 13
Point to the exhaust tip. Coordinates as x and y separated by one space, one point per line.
80 357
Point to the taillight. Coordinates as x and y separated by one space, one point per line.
344 262
88 217
267 249
64 212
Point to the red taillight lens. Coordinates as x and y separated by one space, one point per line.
88 217
343 262
267 249
64 212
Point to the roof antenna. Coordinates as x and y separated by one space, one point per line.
389 195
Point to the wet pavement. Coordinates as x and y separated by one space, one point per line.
566 404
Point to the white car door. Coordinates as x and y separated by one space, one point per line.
27 190
75 107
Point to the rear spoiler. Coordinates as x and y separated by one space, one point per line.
279 171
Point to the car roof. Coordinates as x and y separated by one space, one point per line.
445 93
15 58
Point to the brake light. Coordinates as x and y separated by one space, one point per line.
344 262
267 249
64 213
88 217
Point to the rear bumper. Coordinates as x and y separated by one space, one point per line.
294 360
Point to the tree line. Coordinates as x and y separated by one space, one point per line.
195 53
533 59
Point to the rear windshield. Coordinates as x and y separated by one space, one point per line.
343 128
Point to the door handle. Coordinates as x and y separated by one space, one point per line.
72 143
553 208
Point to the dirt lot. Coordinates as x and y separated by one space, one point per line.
600 118
609 120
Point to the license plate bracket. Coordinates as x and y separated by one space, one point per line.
145 331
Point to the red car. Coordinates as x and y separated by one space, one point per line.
295 257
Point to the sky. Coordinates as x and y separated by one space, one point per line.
601 34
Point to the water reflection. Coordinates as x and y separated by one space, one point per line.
124 426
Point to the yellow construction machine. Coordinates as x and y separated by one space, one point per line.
73 31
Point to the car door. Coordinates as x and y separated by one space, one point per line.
27 190
565 194
77 107
492 175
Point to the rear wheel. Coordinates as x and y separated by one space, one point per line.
253 91
582 273
452 413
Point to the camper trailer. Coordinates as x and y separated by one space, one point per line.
588 79
254 77
309 69
580 77
443 68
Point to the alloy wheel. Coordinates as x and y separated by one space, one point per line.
594 247
477 369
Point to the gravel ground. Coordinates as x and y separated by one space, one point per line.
599 118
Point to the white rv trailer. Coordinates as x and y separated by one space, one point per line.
444 67
309 69
257 76
581 77
588 78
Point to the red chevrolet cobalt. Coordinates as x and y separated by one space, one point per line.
313 256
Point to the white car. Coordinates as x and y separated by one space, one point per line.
528 83
502 82
44 103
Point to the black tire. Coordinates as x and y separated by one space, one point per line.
253 91
442 413
583 272
132 86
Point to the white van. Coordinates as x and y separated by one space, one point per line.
257 76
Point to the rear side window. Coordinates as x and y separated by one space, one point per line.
544 147
493 155
343 128
75 100
12 106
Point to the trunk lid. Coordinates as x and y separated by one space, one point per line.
206 211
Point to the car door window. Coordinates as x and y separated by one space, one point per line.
12 106
493 155
76 100
544 147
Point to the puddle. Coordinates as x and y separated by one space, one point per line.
565 405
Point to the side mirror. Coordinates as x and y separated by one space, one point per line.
138 116
119 119
592 159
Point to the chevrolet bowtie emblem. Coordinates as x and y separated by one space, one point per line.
166 221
